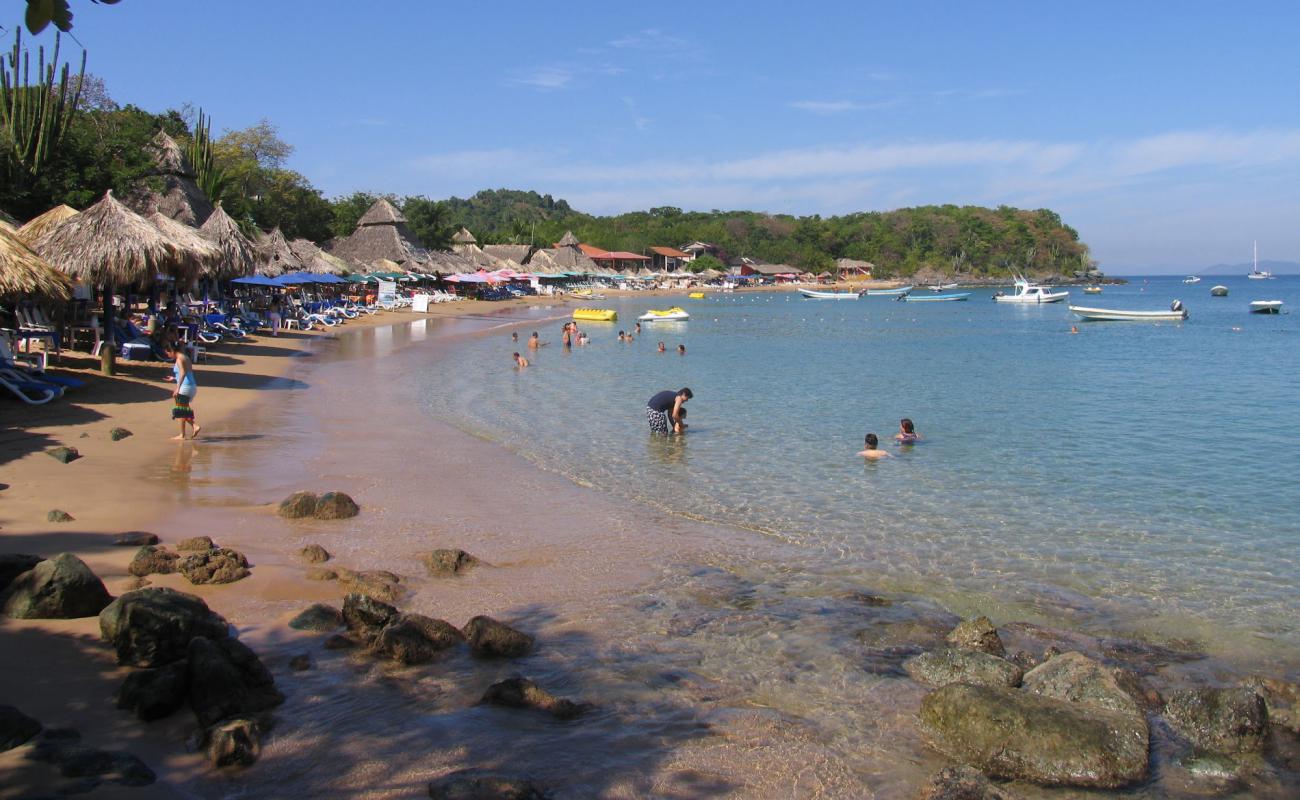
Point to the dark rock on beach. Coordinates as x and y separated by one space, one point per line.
523 693
314 554
978 634
61 588
1225 721
118 434
227 679
338 642
221 565
15 728
196 544
961 783
335 505
59 515
63 454
300 663
154 693
1020 735
366 615
1283 701
76 761
441 563
152 627
317 617
476 785
234 743
14 564
953 665
415 639
135 539
152 560
490 638
1078 679
298 505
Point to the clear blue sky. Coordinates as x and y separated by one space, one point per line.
1167 133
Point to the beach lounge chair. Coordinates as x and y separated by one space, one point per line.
31 392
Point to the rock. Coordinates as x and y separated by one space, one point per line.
977 634
152 560
490 638
335 505
870 600
118 434
15 728
57 515
441 563
153 627
135 539
221 565
1078 679
134 583
321 574
196 544
475 785
314 554
523 693
14 564
1020 735
378 584
961 783
300 662
1219 720
317 617
415 638
234 743
366 615
61 588
75 761
298 505
338 642
63 454
154 693
227 679
1283 701
952 665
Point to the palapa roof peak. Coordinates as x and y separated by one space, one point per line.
168 157
568 240
463 236
382 212
239 255
201 255
109 243
180 197
274 256
38 226
25 274
317 260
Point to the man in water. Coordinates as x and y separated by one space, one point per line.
681 349
534 342
873 451
520 360
662 348
663 410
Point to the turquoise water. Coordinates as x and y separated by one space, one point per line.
1134 476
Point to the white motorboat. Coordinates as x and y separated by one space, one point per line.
1031 293
813 294
942 287
935 298
1266 306
889 292
1092 290
1219 291
673 314
1255 273
1176 313
1191 279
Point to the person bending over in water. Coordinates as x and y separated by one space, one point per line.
520 360
534 342
663 411
906 432
873 450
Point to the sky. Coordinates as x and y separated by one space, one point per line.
1166 133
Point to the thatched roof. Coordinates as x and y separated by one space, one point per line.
7 227
201 255
168 158
109 243
238 254
517 253
463 236
170 188
381 233
274 256
316 260
561 259
381 212
37 226
25 274
568 240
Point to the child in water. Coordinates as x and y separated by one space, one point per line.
680 425
906 432
873 450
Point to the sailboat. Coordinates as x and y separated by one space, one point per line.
1255 274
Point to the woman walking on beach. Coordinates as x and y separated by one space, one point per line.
664 410
186 389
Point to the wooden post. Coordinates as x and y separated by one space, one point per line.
108 348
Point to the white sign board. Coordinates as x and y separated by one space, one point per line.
387 291
420 303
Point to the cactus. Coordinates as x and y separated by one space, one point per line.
210 178
36 116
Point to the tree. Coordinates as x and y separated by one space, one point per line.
430 221
347 212
706 261
289 201
40 13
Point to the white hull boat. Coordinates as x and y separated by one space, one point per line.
936 298
1031 294
1176 313
668 315
889 292
813 294
1219 291
1255 273
943 287
1266 306
1190 279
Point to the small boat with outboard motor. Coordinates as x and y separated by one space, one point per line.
1266 306
888 292
1176 313
951 297
814 294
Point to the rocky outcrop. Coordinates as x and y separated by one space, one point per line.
490 638
154 693
442 563
416 639
152 560
314 554
1227 721
92 765
523 693
153 627
978 634
227 679
196 544
135 539
317 617
366 616
234 743
336 505
1020 735
476 785
62 587
1078 679
952 665
63 455
219 565
14 564
15 728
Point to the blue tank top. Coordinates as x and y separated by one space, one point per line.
188 386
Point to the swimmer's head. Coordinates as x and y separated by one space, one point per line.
907 425
872 441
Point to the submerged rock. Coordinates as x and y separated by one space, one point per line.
301 662
234 743
62 587
152 627
227 679
1078 679
441 563
476 785
314 554
338 642
154 693
523 693
317 617
221 565
14 564
15 728
75 761
490 638
335 505
196 543
135 539
1012 734
63 454
953 665
1219 720
415 638
298 505
366 615
978 634
152 560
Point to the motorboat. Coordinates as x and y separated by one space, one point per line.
1191 279
1031 293
942 287
1256 274
935 298
813 294
902 290
1219 291
1176 313
1266 306
1092 290
673 314
596 314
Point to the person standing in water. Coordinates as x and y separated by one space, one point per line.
186 389
906 432
873 451
520 360
663 410
662 348
534 342
681 349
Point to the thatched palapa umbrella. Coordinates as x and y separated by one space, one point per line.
25 274
238 254
37 227
274 257
201 256
317 260
106 245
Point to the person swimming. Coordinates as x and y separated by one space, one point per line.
663 348
520 360
906 432
681 349
873 450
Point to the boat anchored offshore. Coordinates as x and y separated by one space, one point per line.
935 298
1255 274
1175 313
888 292
813 294
1092 290
1266 306
595 314
1219 291
673 314
1031 293
942 287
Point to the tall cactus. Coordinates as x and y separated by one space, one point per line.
210 178
36 116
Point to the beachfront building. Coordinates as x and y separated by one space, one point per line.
381 233
617 261
851 269
169 188
776 273
668 259
696 249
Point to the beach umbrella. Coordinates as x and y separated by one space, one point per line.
36 227
25 274
256 280
238 255
108 244
201 256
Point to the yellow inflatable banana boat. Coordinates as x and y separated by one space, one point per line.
595 314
